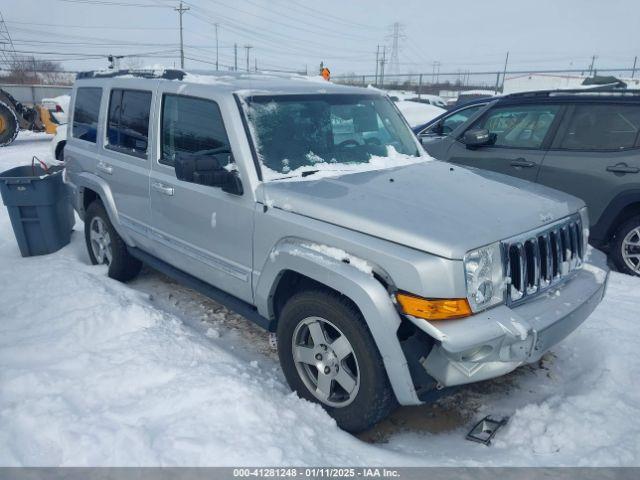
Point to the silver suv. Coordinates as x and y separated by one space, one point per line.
311 209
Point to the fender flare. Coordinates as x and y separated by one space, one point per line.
602 231
369 295
98 185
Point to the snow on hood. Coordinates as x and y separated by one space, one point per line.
430 206
324 169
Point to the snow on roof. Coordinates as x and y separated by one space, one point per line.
248 83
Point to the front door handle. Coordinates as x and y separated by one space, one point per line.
622 168
104 168
522 163
162 188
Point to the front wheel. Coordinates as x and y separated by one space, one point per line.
105 245
329 357
8 125
625 251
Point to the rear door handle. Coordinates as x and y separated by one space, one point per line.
162 188
521 162
104 168
622 168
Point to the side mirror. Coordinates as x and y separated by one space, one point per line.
478 137
205 169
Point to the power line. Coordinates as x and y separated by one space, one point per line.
112 3
90 27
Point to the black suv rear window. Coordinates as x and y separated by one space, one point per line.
128 124
85 113
602 127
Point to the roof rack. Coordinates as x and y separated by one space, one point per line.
600 90
167 74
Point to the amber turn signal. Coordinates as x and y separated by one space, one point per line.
434 309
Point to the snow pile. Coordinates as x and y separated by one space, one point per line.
417 113
94 372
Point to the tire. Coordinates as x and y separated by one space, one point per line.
107 247
626 241
371 399
9 126
60 151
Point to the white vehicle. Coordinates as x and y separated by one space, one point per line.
58 143
430 100
58 108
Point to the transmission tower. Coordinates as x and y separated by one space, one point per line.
7 51
395 36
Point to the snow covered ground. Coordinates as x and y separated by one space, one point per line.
94 372
418 113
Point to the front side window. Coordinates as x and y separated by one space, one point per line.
452 122
298 135
85 113
128 123
519 126
191 125
602 127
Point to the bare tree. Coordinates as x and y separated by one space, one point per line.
32 70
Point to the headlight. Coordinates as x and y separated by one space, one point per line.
485 277
584 216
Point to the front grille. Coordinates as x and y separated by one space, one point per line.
540 259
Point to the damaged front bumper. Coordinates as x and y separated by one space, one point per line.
497 341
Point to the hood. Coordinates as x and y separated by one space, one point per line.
431 206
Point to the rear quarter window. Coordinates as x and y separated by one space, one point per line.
602 127
85 113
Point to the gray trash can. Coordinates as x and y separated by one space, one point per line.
40 208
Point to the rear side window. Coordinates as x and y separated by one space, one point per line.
519 126
128 123
191 125
85 113
602 127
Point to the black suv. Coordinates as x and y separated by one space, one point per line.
584 142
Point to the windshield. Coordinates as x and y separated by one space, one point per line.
299 135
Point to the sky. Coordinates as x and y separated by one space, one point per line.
299 34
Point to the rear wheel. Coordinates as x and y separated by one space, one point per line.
329 357
625 250
8 125
105 245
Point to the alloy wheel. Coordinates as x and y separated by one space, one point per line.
631 250
100 241
326 361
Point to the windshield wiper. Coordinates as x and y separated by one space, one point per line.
309 172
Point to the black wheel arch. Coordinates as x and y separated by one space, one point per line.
622 207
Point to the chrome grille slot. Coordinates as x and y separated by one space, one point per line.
540 259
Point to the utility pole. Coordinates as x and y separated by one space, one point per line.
396 36
235 57
216 25
377 55
435 72
248 47
382 62
255 63
181 11
633 70
504 72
